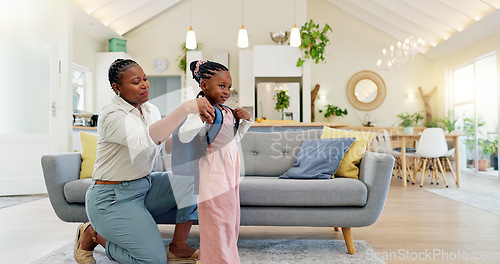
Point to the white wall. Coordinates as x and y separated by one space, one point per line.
84 49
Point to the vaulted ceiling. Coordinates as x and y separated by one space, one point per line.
435 21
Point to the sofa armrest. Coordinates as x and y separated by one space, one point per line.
58 169
375 171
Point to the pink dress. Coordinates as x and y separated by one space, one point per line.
219 200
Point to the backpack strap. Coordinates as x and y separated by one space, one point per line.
214 129
236 120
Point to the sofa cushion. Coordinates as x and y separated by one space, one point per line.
74 191
272 154
272 191
89 154
318 158
348 167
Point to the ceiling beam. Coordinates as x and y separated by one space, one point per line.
442 12
117 9
91 27
474 9
405 16
493 3
388 27
90 6
141 15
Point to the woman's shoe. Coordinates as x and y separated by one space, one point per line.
171 258
82 256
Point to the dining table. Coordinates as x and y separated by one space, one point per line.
407 139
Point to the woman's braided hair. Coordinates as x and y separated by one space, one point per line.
117 68
205 70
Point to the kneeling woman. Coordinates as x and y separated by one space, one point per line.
126 197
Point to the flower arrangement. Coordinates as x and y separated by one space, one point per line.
282 100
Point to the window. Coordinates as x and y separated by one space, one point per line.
475 104
81 86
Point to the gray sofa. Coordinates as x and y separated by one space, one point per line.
265 199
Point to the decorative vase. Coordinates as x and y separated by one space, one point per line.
407 130
76 100
332 119
282 114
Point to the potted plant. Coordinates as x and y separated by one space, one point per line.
314 41
487 147
470 134
333 111
449 122
282 100
409 120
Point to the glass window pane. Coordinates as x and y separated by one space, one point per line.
463 80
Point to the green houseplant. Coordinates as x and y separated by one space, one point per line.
407 121
449 122
314 41
333 111
182 59
487 147
282 101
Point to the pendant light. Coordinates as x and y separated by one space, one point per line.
190 36
242 34
295 32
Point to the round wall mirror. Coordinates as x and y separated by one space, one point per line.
366 90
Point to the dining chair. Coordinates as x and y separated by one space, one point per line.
382 144
431 147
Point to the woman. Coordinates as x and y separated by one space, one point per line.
125 197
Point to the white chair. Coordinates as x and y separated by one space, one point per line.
432 145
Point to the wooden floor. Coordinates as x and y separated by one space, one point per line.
413 222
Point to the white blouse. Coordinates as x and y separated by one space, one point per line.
125 150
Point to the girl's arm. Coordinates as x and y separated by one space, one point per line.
163 128
245 122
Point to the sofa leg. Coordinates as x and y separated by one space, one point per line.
349 242
336 229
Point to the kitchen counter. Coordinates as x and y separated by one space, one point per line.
286 125
84 128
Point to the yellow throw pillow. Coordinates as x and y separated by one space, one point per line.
353 156
89 149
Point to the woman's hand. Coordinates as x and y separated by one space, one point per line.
203 107
240 113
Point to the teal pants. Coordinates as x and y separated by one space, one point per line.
124 214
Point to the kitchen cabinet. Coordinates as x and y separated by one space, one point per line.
273 63
276 61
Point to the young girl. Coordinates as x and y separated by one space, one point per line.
218 200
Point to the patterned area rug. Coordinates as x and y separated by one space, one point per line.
6 201
486 200
253 251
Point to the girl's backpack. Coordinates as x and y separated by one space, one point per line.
186 156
